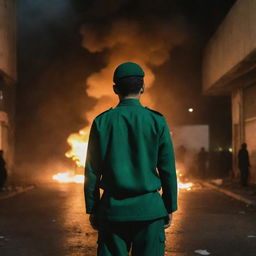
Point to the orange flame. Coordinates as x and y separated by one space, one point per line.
78 149
78 143
183 185
68 177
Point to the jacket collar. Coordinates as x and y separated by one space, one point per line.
129 102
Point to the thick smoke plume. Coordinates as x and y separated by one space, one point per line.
165 37
147 42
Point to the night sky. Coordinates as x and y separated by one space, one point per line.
53 67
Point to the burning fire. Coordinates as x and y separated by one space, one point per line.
78 143
77 153
183 185
71 177
125 40
78 148
68 177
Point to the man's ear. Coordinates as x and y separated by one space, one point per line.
115 89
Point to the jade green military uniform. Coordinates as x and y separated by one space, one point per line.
130 156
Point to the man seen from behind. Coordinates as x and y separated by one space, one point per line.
130 157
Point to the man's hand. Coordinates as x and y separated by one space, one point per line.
94 221
168 221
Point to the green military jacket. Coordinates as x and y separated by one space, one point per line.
130 157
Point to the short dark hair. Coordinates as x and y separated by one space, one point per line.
129 85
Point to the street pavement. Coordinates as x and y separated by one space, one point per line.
50 221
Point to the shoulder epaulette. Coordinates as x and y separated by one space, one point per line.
103 112
154 111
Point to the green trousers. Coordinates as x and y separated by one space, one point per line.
142 238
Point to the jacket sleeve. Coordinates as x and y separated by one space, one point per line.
92 172
167 170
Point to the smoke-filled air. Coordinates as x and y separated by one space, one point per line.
146 42
68 54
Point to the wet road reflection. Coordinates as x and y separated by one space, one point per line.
50 220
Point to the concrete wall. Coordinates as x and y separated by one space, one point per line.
249 99
8 38
229 67
237 126
250 138
233 43
7 122
7 80
244 126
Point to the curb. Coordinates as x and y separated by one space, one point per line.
229 193
15 193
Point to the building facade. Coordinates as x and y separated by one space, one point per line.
7 79
229 68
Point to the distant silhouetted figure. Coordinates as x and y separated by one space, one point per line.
3 172
244 164
202 161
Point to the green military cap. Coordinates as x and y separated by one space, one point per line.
127 69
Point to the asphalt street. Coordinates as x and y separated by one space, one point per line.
50 221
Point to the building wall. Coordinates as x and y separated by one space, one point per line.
249 115
233 43
229 67
8 38
237 126
244 126
7 80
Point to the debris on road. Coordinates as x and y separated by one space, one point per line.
202 252
251 236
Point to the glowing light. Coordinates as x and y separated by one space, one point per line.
190 110
78 147
183 185
186 186
68 177
230 150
